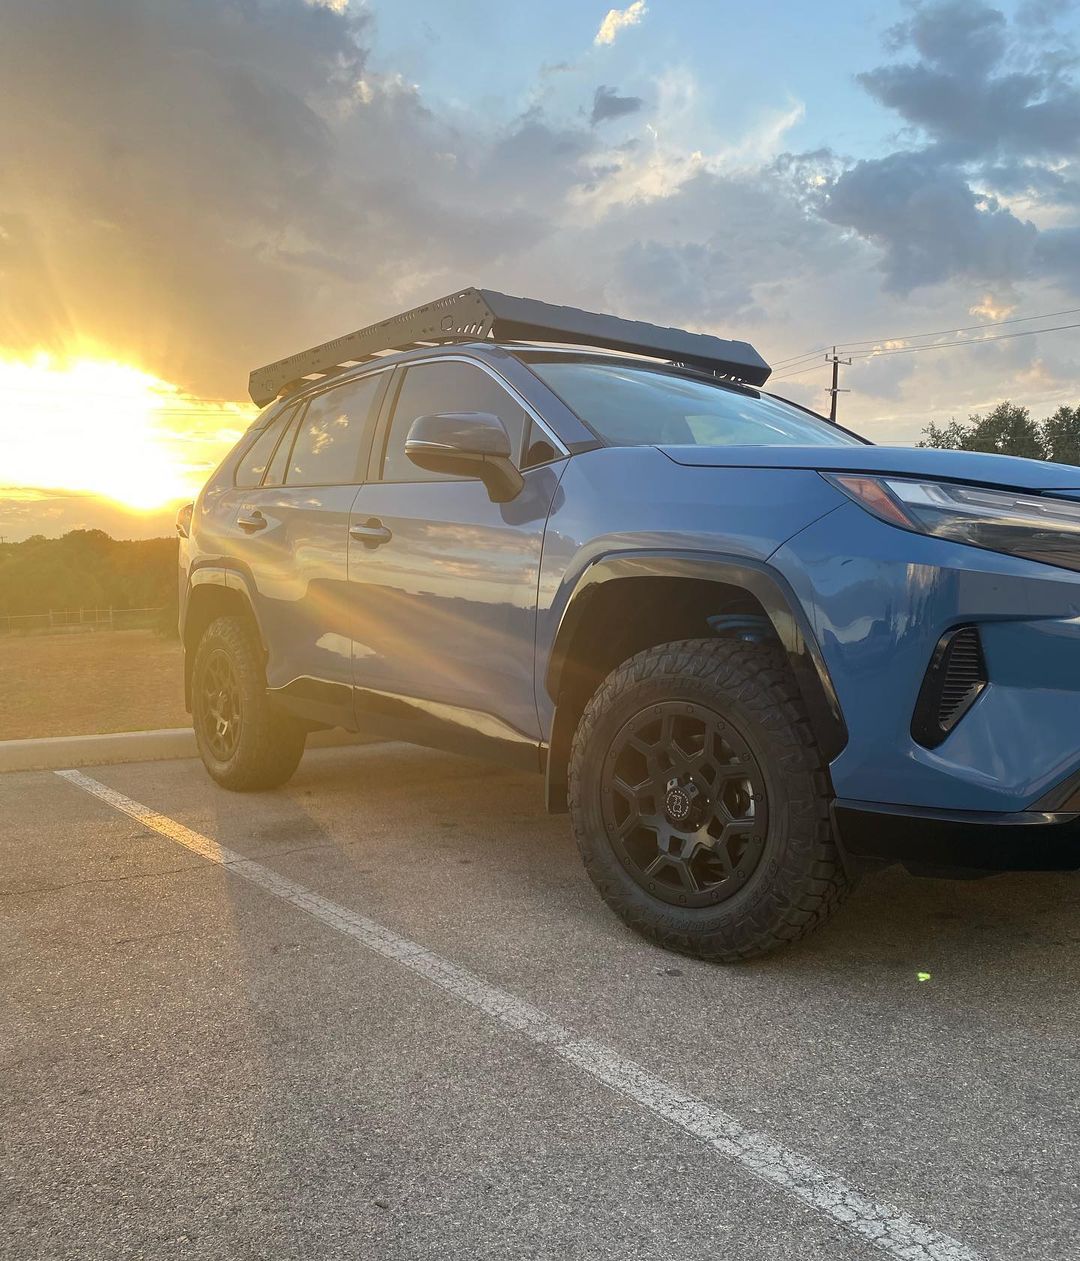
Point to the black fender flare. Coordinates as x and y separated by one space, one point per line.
222 576
765 584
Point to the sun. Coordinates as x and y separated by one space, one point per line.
106 428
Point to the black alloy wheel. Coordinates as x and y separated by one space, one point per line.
221 713
245 741
700 800
684 803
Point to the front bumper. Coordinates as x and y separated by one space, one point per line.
957 842
879 599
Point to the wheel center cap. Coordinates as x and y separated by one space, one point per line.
684 805
677 804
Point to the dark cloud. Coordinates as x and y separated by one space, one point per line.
208 185
205 185
1043 12
929 222
607 104
994 114
698 279
706 255
961 36
1058 252
978 89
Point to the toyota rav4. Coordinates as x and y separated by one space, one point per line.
750 652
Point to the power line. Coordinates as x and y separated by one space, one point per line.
799 371
941 332
964 341
909 350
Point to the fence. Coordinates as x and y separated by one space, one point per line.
76 621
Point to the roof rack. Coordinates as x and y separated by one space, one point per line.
475 314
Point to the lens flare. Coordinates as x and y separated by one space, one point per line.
106 428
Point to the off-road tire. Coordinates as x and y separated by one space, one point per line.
799 880
270 743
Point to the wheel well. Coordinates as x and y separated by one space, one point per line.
623 618
206 603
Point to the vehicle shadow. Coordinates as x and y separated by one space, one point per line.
1000 918
493 822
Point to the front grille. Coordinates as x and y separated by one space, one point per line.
954 681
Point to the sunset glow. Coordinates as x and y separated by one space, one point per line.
107 428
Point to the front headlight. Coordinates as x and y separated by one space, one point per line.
1034 526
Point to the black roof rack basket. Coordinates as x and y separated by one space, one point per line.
476 314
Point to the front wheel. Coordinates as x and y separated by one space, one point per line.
700 801
245 743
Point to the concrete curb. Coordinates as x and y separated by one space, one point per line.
57 752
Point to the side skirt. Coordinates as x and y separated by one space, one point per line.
431 724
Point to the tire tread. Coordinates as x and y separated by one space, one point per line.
271 742
811 881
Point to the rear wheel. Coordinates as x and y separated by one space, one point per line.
245 743
700 801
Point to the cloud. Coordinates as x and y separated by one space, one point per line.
992 110
275 188
965 36
607 103
979 89
209 186
24 512
929 223
992 308
617 20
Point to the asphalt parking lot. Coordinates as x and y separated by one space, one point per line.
391 1019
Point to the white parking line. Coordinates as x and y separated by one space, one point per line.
886 1227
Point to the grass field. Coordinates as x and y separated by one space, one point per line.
70 685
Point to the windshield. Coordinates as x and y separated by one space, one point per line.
629 405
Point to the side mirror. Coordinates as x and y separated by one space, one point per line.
469 444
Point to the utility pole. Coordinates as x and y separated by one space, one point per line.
836 362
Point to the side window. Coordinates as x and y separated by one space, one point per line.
275 474
330 439
250 470
445 387
539 448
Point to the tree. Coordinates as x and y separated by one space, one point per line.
1007 430
87 569
950 437
1061 435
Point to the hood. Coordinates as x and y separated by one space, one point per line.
956 466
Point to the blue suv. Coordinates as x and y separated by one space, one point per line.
750 653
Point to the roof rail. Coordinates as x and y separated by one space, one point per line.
476 314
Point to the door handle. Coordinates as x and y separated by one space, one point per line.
372 533
251 521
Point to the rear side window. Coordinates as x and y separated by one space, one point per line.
275 474
253 465
332 435
451 386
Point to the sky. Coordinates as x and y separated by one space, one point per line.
192 189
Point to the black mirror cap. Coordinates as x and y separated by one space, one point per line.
470 444
465 434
